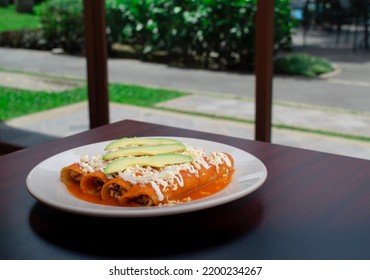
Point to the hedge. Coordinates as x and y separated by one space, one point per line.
201 33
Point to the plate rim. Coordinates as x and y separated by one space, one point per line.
138 212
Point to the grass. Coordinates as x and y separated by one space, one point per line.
10 20
17 102
140 96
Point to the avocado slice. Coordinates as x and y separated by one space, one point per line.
146 150
161 160
139 141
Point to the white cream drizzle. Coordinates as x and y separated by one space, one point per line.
157 190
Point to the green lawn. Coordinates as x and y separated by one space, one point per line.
11 20
15 102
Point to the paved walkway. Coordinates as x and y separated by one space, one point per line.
73 119
338 103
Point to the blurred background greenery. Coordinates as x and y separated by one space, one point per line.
208 34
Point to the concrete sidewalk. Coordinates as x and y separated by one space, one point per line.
69 120
339 103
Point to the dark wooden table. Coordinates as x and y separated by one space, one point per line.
313 205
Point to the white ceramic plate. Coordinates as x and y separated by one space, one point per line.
43 183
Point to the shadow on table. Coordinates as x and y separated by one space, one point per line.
146 238
22 137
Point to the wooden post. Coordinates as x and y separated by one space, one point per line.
264 68
366 24
96 55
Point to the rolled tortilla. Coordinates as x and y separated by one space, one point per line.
153 194
114 189
71 175
139 195
92 183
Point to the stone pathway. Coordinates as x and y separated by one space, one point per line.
34 82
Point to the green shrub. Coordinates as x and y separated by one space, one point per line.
220 33
30 39
62 24
302 64
117 17
227 32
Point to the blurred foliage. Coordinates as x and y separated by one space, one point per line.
302 64
216 34
217 31
62 24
